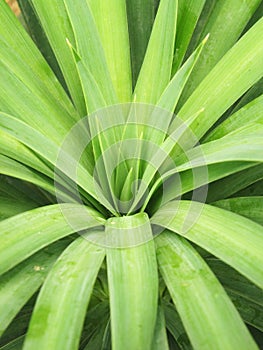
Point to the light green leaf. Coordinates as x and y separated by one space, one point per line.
19 284
19 240
13 168
208 315
252 112
189 180
58 29
242 146
245 146
172 93
13 33
227 20
250 207
35 90
33 26
89 47
33 110
231 237
156 68
188 14
160 341
232 184
11 148
64 297
111 20
235 73
93 96
48 150
133 282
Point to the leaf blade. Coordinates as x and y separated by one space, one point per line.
212 229
196 291
65 292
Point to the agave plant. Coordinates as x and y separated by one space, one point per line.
131 175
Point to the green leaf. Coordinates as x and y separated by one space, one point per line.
175 326
64 297
47 224
13 168
188 14
255 189
255 91
16 344
156 68
89 47
250 207
37 34
133 282
235 282
92 94
11 148
234 183
58 29
19 42
96 319
174 89
250 113
160 341
19 284
231 237
242 146
99 336
35 107
10 206
251 312
111 21
190 180
234 15
235 73
140 15
208 315
48 150
21 191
